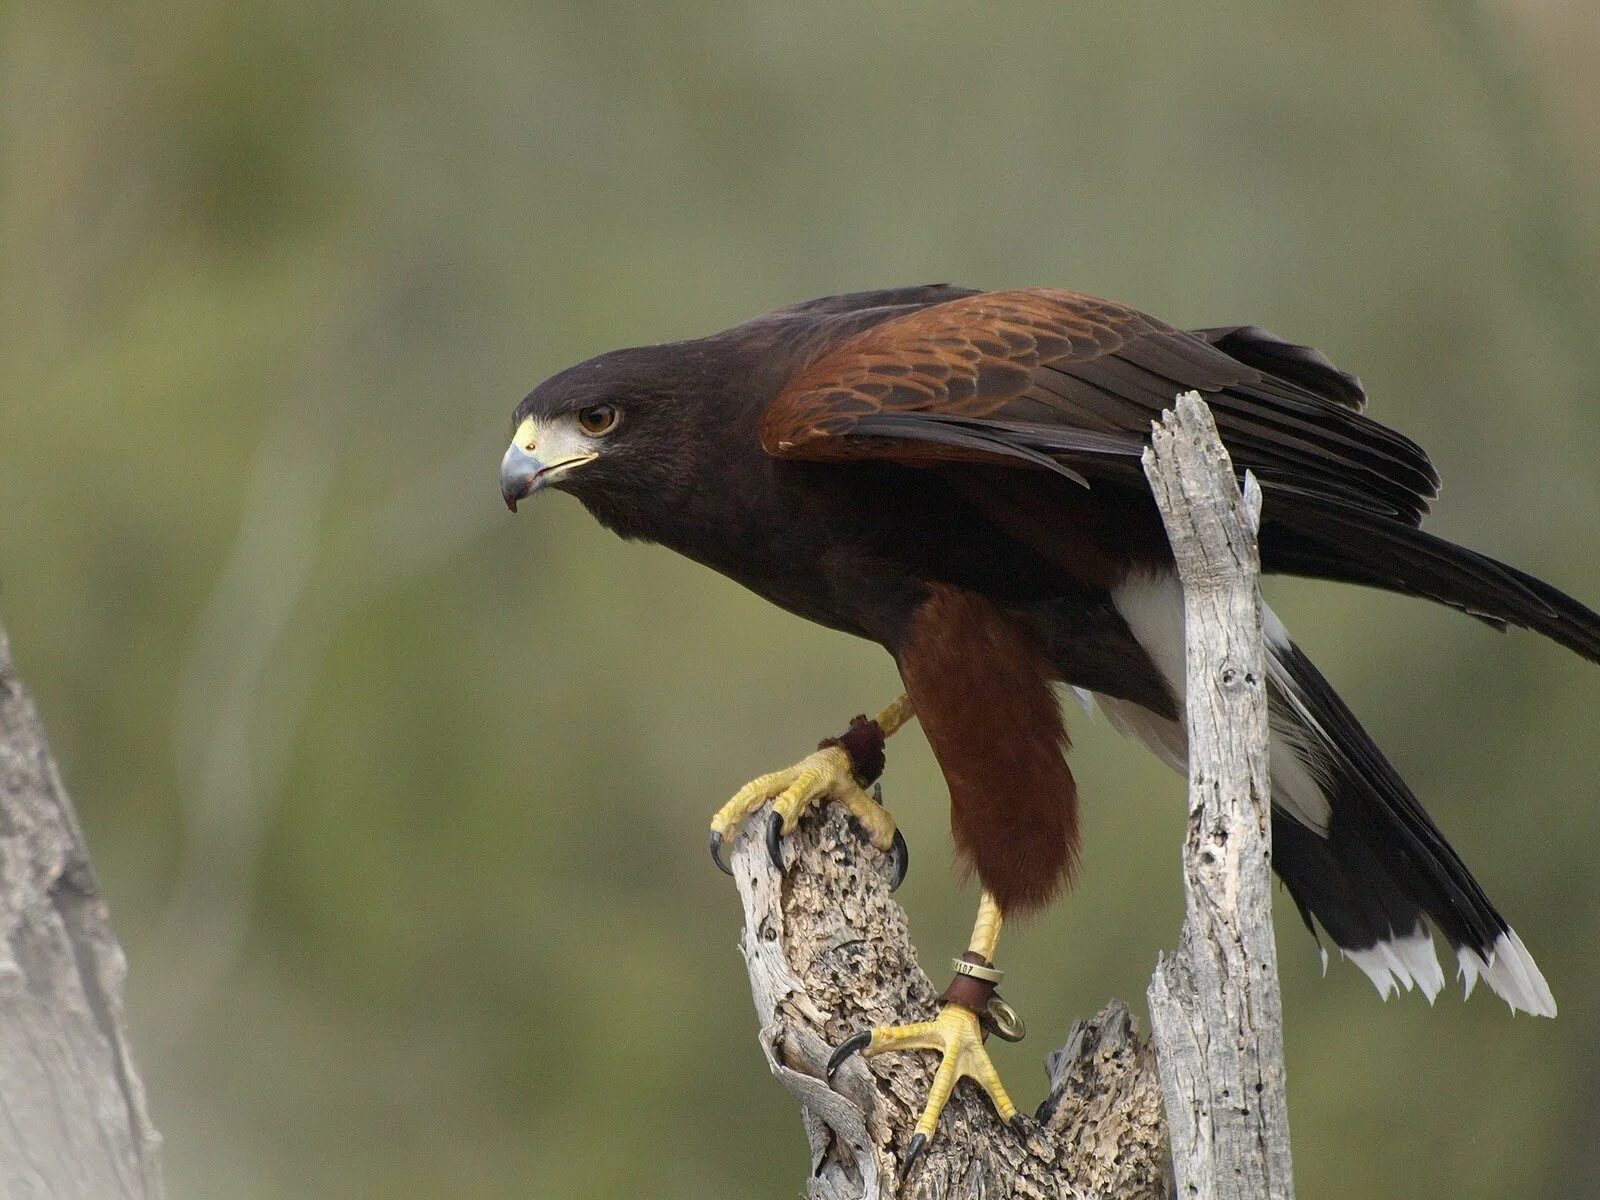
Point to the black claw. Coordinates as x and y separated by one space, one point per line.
775 842
851 1044
716 853
914 1149
899 860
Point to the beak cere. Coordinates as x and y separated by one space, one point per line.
520 475
541 454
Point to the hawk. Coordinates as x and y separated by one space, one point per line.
955 475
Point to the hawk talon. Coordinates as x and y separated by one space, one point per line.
957 1034
775 842
914 1149
851 1044
716 853
899 852
899 860
827 774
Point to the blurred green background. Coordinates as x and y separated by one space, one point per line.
400 802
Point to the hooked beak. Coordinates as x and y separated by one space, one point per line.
522 473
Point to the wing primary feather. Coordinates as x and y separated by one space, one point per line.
921 427
1060 437
1305 366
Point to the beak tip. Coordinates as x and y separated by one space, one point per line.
519 476
514 490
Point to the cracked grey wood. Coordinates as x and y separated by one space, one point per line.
829 953
73 1122
1216 1015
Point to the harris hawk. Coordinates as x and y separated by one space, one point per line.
956 476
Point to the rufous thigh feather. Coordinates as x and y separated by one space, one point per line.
982 688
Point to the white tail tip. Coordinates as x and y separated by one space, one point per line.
1511 974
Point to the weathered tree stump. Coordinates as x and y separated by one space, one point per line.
829 954
75 1125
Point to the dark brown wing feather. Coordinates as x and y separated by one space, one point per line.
1304 365
1071 382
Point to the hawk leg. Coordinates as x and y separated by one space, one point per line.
969 1011
841 769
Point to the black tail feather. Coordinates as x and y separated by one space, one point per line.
1377 830
1324 539
1381 872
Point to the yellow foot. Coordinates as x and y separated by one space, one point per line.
958 1035
825 775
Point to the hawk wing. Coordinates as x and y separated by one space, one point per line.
1068 382
1060 381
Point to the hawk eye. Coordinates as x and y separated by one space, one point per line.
598 420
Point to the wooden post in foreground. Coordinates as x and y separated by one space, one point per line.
75 1125
1216 1016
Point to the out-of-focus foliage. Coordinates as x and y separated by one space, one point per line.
400 801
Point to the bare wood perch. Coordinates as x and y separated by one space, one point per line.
1216 1015
829 952
75 1124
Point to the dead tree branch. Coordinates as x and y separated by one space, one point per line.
1216 1016
74 1120
829 954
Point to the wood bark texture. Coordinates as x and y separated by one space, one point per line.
1216 1015
73 1122
829 954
